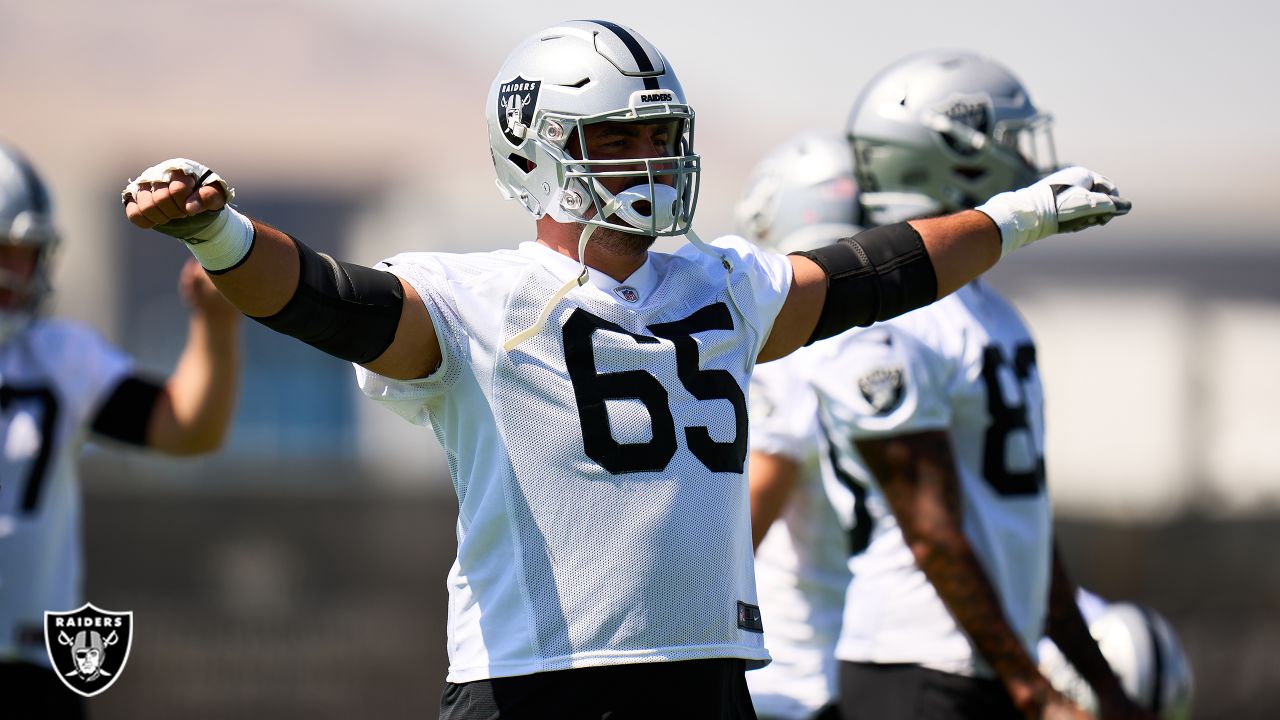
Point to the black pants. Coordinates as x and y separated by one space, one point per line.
31 692
702 689
869 691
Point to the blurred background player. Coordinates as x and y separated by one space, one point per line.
61 385
1142 649
933 134
800 197
936 425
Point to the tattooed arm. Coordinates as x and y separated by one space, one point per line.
918 476
1067 628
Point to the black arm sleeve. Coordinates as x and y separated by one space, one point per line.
349 311
873 276
126 414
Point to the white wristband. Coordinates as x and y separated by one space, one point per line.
225 242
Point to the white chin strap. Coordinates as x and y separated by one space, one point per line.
580 280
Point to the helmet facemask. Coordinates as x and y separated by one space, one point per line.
662 194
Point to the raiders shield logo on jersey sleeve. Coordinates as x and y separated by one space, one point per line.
882 389
88 646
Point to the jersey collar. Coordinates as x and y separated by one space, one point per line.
634 291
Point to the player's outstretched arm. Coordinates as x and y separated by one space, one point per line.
193 408
1067 628
917 474
352 312
887 271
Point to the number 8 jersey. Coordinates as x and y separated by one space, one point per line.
964 365
603 510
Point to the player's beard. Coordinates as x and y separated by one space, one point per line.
619 243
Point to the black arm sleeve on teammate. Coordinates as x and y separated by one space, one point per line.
349 311
873 276
126 414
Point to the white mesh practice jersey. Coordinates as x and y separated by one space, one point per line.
53 378
965 365
801 570
603 509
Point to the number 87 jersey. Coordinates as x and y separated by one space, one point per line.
966 366
603 510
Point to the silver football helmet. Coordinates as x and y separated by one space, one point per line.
1143 651
560 81
802 195
26 219
943 131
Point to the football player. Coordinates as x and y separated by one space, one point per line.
591 394
60 385
933 428
800 197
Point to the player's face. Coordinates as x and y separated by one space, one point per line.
17 266
623 140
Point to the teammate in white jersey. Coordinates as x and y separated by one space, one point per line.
61 385
800 197
590 394
934 423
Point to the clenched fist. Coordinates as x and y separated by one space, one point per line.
174 190
187 200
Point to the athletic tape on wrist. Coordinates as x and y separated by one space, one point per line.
224 243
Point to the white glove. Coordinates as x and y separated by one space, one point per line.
1065 201
219 239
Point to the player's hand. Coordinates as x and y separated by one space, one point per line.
1036 699
199 293
178 197
1084 198
1066 201
1058 707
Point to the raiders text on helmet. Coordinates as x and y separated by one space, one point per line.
802 195
944 131
566 78
26 219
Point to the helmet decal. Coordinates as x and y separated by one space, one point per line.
517 99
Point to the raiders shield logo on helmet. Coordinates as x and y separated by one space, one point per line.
971 111
88 647
516 101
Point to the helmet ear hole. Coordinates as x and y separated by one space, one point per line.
524 164
969 172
